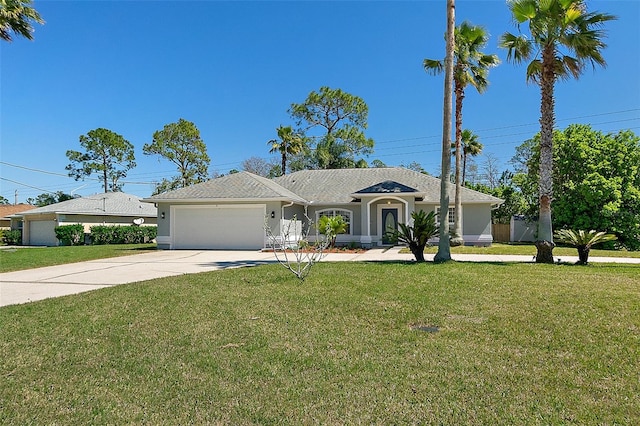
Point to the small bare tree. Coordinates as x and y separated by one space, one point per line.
292 247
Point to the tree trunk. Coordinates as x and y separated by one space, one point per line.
547 121
284 164
104 179
444 249
456 236
583 254
418 252
464 168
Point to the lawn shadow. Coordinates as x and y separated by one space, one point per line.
431 262
237 264
140 249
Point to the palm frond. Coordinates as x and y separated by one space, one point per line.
433 66
519 48
583 238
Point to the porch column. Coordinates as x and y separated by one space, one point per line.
365 223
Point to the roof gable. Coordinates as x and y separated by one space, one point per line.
241 185
386 187
109 204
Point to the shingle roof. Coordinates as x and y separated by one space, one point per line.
9 209
337 186
236 186
109 204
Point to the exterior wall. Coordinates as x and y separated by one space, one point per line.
476 224
523 231
364 227
71 219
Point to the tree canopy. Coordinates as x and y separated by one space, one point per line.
106 153
596 182
180 143
289 143
17 17
342 117
48 198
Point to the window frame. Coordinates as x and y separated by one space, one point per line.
347 218
451 216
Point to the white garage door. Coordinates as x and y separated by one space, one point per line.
219 227
41 233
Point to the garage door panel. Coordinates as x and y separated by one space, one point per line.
42 233
229 227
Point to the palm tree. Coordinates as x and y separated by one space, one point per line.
564 38
444 247
583 241
470 146
16 16
471 67
290 143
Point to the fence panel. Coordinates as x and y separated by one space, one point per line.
501 232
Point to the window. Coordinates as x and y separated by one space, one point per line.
452 216
346 216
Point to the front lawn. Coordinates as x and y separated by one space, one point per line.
19 258
515 344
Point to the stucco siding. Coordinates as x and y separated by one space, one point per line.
476 219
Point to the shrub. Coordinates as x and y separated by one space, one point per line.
583 241
70 235
12 237
331 226
416 236
101 234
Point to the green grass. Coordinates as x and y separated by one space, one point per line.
530 250
35 257
517 344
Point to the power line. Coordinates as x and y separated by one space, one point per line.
67 176
28 186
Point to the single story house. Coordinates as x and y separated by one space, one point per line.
6 210
230 212
111 208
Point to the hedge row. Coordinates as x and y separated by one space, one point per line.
72 235
11 237
122 234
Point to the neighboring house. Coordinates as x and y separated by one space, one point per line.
112 208
230 212
7 210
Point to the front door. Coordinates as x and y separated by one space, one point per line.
389 223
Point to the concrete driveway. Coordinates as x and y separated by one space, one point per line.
53 281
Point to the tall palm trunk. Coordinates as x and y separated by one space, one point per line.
444 249
464 168
456 236
545 243
284 163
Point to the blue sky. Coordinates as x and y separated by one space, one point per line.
235 67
